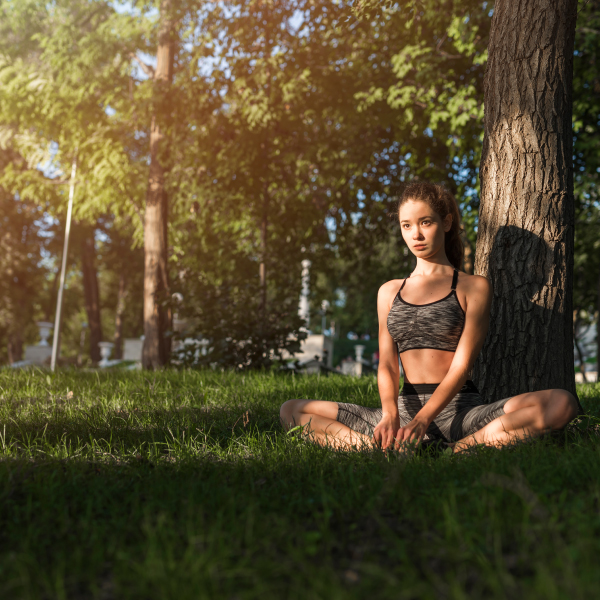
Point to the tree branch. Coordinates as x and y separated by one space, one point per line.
441 52
587 30
146 68
89 17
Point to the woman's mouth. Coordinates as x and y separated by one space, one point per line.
419 246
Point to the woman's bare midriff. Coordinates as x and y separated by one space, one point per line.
426 366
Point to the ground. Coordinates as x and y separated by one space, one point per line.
183 485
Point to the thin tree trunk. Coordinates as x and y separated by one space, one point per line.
122 294
526 220
156 278
91 292
15 347
578 348
263 255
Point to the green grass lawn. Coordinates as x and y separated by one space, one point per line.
182 485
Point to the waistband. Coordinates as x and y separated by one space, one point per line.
410 389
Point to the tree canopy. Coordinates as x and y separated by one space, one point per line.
290 131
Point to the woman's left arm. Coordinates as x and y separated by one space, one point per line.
479 300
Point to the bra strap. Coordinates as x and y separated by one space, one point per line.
455 279
403 284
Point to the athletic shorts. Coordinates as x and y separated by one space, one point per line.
465 414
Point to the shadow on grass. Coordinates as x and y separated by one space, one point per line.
301 517
134 509
99 500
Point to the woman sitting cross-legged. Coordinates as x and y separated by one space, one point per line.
436 320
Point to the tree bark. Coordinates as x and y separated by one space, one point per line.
157 316
91 292
525 235
122 294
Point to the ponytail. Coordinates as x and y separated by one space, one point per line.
443 203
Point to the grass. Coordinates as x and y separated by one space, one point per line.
183 485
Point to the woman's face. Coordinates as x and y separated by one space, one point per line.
423 229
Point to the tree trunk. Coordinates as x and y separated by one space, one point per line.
15 346
91 292
122 294
157 315
526 219
263 256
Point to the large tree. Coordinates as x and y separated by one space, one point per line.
157 314
526 222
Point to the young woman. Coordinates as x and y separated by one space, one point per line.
436 320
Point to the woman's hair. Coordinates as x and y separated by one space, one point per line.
443 203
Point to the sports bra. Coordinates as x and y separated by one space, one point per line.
437 325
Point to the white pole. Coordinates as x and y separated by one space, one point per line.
61 287
304 309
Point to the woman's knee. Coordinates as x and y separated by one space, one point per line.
287 412
564 408
292 411
555 408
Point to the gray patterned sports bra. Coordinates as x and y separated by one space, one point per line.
437 325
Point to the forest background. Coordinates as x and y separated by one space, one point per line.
289 130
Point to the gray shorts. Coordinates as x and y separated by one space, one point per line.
465 414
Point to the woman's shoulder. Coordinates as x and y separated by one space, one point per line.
390 287
475 284
387 292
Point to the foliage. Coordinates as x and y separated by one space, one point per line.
64 69
292 130
586 119
420 70
351 282
22 278
436 88
587 256
586 95
68 91
227 315
279 152
183 485
116 259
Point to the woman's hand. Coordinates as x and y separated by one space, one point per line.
383 434
411 433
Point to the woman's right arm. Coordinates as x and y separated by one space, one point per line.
388 373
